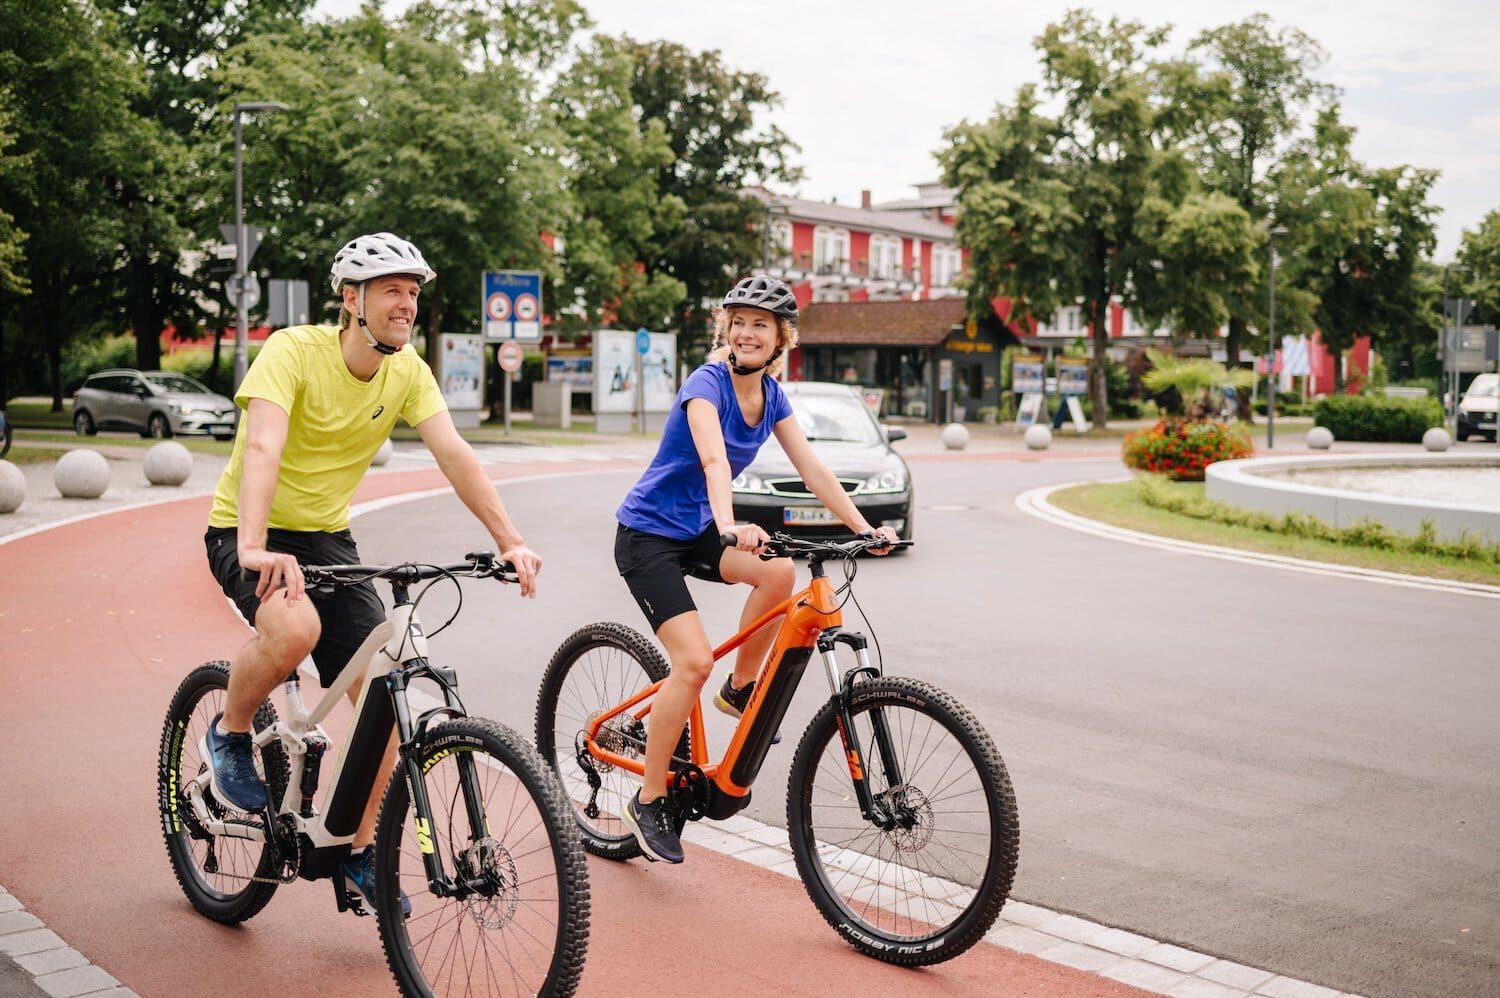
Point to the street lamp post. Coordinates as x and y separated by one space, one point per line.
1452 345
242 304
1271 379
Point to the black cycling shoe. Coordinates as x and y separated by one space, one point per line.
733 702
654 828
231 760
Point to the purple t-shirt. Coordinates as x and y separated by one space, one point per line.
671 499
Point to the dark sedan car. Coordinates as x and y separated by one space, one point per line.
855 447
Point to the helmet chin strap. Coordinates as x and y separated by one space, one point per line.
735 366
364 327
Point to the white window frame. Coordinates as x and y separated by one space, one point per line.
885 257
830 250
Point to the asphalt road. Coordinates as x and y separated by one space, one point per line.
1294 772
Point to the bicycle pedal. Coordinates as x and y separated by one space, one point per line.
348 900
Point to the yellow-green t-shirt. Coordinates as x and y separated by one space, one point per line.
336 425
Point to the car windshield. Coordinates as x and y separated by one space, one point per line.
1484 385
179 383
835 418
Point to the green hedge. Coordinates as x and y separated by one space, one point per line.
1375 417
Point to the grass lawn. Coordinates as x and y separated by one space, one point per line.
1119 504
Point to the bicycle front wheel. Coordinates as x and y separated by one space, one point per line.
924 878
595 669
517 921
229 878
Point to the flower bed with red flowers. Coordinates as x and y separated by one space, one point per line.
1181 449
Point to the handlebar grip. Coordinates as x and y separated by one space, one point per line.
728 540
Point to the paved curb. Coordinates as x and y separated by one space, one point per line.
36 963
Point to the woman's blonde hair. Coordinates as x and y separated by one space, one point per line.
786 341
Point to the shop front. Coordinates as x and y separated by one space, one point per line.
922 359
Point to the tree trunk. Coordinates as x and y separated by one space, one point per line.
145 317
213 367
434 336
1237 331
1337 356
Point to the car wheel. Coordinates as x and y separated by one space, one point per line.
158 427
83 423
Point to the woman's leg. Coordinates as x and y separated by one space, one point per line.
691 658
772 583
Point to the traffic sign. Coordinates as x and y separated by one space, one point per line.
253 236
252 290
512 304
642 342
508 356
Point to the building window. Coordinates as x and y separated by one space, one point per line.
824 293
885 257
947 264
781 244
830 250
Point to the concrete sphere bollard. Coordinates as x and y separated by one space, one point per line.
382 455
81 474
12 487
955 436
1436 439
168 463
1038 437
1320 438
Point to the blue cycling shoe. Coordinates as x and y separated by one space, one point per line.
231 760
359 875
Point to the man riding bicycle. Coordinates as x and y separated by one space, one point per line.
318 402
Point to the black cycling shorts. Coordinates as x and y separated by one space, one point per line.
655 568
348 615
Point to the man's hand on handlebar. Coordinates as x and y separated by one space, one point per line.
527 564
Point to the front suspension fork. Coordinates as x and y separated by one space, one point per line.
875 809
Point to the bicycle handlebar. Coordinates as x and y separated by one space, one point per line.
477 565
782 545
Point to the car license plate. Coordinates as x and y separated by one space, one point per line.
792 515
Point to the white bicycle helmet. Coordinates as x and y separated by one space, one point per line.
378 255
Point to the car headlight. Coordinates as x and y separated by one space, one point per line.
746 482
889 480
180 409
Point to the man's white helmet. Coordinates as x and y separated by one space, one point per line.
378 255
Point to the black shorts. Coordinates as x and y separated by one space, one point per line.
348 615
655 569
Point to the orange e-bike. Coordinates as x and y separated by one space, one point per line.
900 813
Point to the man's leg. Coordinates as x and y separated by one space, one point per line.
284 635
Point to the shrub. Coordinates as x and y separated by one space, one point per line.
1376 417
1181 449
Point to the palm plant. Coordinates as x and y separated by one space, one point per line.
1194 379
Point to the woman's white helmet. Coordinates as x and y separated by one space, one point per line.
378 255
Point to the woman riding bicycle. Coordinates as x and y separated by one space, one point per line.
671 521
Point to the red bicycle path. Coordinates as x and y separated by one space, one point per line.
99 621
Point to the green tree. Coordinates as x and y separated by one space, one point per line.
1479 250
708 111
71 83
614 210
1049 207
177 44
1251 87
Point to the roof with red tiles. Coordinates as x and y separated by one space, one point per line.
880 323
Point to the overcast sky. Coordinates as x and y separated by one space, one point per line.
869 86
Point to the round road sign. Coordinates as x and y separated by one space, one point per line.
526 307
498 307
508 355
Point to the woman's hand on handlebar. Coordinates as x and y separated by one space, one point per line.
276 570
746 537
527 564
888 534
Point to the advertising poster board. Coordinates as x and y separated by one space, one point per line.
463 371
1026 374
1072 376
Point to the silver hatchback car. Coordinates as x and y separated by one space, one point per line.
152 403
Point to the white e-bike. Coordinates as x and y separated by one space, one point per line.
474 827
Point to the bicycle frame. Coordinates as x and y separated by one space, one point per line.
810 620
400 643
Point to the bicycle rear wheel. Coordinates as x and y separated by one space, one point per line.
929 884
595 669
519 923
218 873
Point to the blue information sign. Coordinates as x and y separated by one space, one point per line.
642 342
512 305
